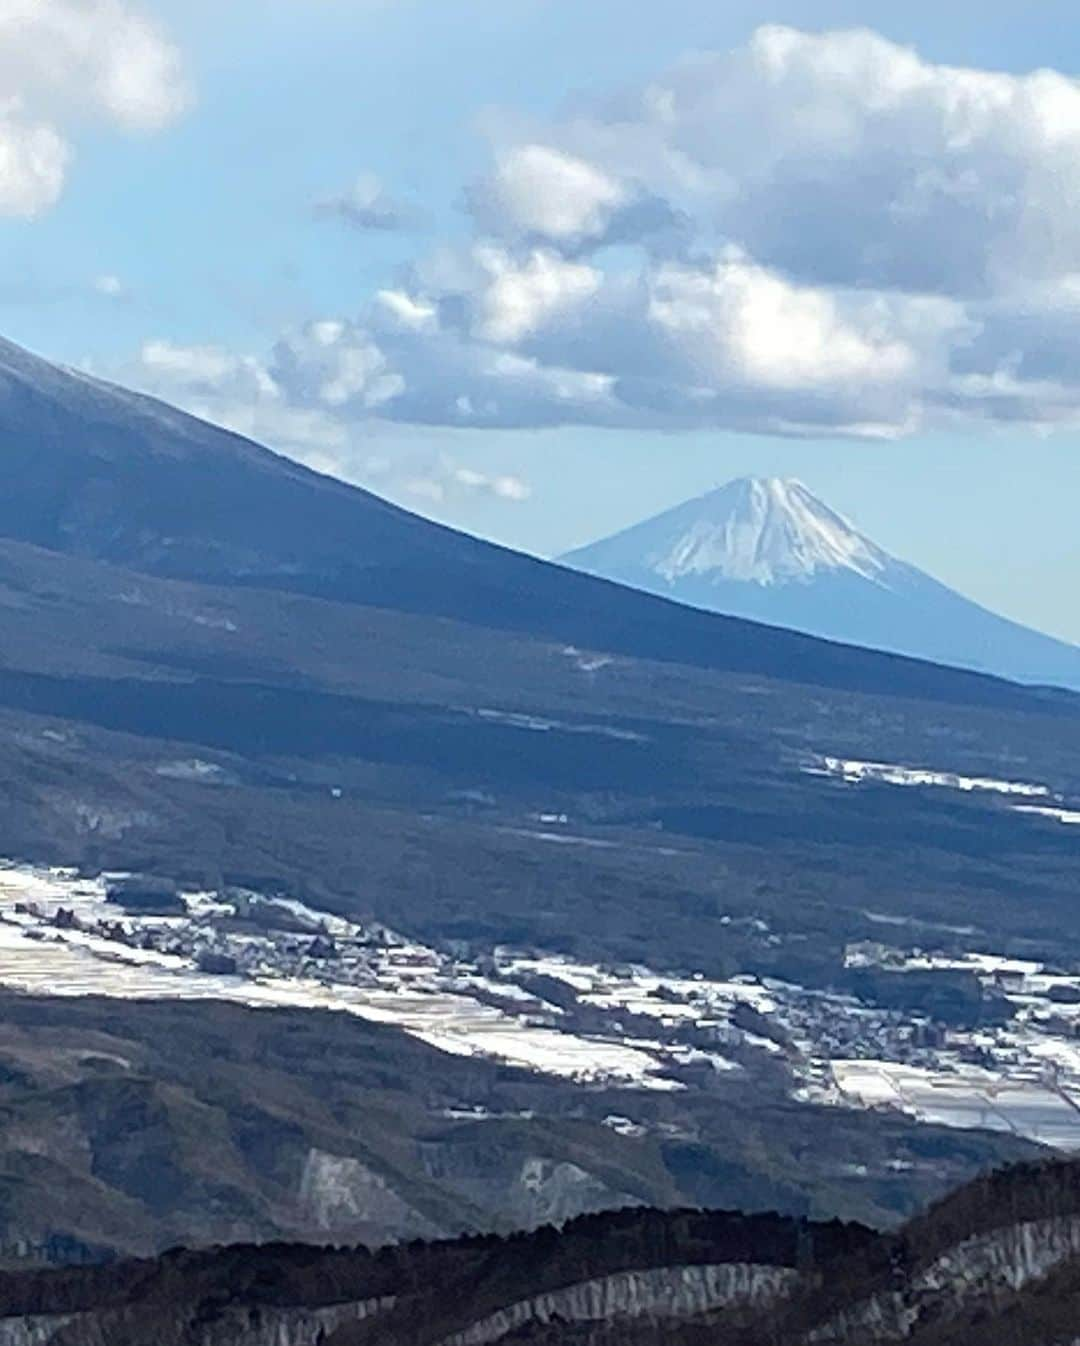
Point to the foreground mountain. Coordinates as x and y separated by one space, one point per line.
96 471
128 1127
996 1264
770 550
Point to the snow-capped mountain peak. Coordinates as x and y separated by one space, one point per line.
762 530
767 548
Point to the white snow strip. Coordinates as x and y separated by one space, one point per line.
855 771
1071 816
982 964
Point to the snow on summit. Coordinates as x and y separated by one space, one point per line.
768 549
764 530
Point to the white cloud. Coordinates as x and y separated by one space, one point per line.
738 321
369 206
844 158
813 234
33 165
515 297
546 195
299 409
334 364
407 312
503 486
62 61
540 340
442 479
537 189
241 393
209 367
426 488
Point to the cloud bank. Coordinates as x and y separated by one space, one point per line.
813 234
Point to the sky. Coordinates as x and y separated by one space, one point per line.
541 268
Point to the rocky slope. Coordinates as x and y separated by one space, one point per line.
997 1263
128 1127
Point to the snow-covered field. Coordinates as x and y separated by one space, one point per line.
854 771
1021 1075
968 1098
62 935
890 773
411 990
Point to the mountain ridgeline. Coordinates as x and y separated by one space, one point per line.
995 1264
96 471
769 550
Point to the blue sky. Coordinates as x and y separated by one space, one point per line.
632 250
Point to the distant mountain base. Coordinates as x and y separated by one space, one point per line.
769 550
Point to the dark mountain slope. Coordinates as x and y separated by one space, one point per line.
108 677
1006 1277
388 712
96 471
127 1127
249 1296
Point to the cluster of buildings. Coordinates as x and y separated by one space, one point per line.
967 1039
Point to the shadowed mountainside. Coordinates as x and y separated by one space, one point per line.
96 471
129 1126
996 1264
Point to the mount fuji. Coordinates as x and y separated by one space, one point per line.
99 474
768 549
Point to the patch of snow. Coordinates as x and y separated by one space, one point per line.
539 724
587 663
553 1053
854 772
968 1098
983 964
579 976
515 720
563 838
1070 816
884 918
407 984
194 769
623 1126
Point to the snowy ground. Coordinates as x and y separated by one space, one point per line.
853 771
412 989
1032 1108
890 773
61 935
1022 1076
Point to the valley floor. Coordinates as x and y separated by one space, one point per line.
631 1027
